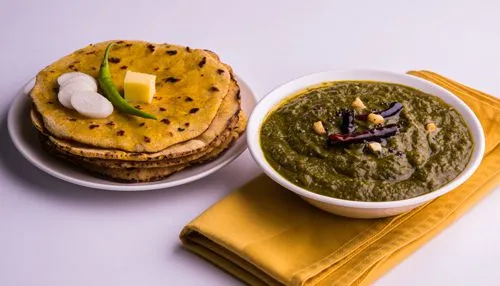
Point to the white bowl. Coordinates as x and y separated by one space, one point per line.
360 209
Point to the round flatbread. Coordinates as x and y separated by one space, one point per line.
228 109
121 164
130 175
190 87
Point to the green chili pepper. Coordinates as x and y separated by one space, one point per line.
112 93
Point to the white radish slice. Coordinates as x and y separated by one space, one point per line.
81 78
65 93
91 104
66 76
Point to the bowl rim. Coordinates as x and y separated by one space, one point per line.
261 111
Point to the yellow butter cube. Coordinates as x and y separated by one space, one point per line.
139 87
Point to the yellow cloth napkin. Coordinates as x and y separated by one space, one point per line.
264 234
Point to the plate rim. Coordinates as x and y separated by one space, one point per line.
21 147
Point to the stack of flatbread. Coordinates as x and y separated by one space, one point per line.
197 105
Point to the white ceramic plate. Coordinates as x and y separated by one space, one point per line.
25 139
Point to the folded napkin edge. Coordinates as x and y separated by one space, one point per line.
222 256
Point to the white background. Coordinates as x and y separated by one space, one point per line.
54 233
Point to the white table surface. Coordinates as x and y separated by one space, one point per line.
54 233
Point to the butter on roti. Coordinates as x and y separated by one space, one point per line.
139 87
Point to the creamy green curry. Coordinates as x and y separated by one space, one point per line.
366 141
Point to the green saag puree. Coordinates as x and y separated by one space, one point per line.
412 163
